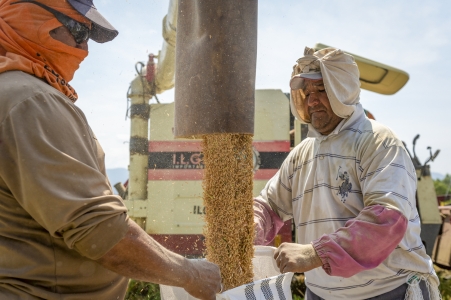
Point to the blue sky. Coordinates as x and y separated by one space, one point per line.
414 36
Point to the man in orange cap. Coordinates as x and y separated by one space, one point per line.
63 234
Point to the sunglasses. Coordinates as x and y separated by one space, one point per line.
79 31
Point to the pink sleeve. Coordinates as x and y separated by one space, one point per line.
363 243
267 223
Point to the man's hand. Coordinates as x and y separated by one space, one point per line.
291 257
205 281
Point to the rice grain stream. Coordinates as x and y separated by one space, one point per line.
227 190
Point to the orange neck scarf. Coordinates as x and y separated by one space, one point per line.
26 44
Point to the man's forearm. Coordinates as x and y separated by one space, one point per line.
140 257
363 243
267 223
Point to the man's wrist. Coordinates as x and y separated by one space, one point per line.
316 260
188 272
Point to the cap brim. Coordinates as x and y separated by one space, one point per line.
297 81
102 31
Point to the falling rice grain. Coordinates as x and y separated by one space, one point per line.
228 200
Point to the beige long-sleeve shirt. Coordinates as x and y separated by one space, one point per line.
58 213
340 190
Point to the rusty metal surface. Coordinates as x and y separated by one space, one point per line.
140 111
215 67
139 145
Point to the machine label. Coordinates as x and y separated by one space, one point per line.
176 160
194 160
199 210
183 160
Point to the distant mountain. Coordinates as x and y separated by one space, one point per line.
117 175
436 176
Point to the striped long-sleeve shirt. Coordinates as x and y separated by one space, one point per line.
352 195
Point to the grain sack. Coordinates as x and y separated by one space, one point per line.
227 193
267 280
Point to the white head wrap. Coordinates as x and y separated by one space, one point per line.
341 80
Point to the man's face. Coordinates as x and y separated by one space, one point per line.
317 107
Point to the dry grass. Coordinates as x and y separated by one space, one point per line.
445 282
227 190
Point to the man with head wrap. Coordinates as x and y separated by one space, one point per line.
350 190
63 234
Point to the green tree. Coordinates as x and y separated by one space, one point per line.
443 186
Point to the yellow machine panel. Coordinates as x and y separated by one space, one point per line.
427 200
175 167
